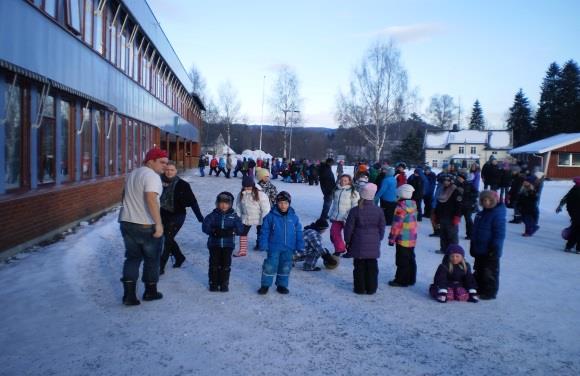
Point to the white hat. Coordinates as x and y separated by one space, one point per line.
405 191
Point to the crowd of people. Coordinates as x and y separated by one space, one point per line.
378 201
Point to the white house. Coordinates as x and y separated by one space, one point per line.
465 147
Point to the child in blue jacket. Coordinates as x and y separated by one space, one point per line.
222 225
280 237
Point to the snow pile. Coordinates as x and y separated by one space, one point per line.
256 154
436 139
500 139
62 312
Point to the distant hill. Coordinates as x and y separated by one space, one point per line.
310 142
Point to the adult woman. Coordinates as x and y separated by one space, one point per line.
487 240
176 197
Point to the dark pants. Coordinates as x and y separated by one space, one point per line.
247 231
171 226
406 266
447 235
419 202
389 210
213 169
220 170
202 171
428 201
220 262
140 245
326 206
574 238
468 216
228 172
530 222
486 273
365 275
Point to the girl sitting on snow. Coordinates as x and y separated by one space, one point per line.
453 279
313 247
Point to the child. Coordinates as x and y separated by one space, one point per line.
404 234
280 237
363 232
222 224
447 213
572 202
388 195
252 206
453 279
528 206
344 198
313 247
267 187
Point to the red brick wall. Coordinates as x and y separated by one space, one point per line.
558 172
33 214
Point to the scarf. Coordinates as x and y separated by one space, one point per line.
168 196
446 193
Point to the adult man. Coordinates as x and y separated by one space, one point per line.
230 165
327 184
142 228
491 174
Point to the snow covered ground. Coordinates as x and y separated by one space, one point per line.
62 315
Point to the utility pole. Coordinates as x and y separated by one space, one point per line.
262 117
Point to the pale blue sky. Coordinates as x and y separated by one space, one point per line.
467 49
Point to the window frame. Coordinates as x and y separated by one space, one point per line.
68 16
570 159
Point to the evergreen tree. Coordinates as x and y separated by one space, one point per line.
411 149
520 119
569 98
547 121
477 121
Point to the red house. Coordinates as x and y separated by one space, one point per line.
557 156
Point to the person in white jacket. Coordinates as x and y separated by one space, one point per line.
252 206
344 198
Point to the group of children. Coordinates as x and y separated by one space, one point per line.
281 236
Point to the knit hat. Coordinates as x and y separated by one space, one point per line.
261 173
405 191
390 171
492 195
368 191
247 181
155 154
455 248
284 196
362 168
225 197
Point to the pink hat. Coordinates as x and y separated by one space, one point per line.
368 191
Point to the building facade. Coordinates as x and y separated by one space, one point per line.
86 88
465 147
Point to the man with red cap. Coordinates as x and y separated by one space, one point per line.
141 227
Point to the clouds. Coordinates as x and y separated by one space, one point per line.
409 33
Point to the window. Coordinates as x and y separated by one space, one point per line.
111 144
73 15
439 151
86 140
88 25
112 37
445 162
435 163
494 152
66 141
50 7
129 137
136 144
47 143
13 137
569 159
120 149
462 150
473 150
135 60
99 35
98 144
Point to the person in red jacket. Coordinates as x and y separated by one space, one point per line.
213 166
401 175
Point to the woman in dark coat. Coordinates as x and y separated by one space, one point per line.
487 243
363 232
176 197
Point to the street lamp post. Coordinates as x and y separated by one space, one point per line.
291 127
262 117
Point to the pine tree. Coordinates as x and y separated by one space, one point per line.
411 149
569 98
520 119
547 121
477 121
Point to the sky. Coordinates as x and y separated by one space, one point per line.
485 50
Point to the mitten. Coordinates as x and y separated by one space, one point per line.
456 220
473 298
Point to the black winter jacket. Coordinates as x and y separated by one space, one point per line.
183 198
457 278
327 182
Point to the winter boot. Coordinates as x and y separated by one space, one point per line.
330 261
371 277
282 290
214 278
130 293
179 260
358 275
243 247
263 290
151 292
225 279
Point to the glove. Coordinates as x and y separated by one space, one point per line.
456 220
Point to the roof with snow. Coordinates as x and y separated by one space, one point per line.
547 144
493 139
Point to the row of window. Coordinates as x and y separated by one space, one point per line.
109 144
108 28
473 150
569 159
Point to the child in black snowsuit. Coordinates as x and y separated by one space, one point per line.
453 279
528 206
222 225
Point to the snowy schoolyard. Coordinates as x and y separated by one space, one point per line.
62 314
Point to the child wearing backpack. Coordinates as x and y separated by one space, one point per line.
404 235
222 225
453 279
281 236
363 232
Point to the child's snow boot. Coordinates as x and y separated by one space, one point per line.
225 279
263 290
330 261
282 290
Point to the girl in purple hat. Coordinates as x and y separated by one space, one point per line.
453 278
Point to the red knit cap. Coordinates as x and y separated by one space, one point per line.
154 154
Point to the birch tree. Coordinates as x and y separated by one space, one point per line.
285 101
228 106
